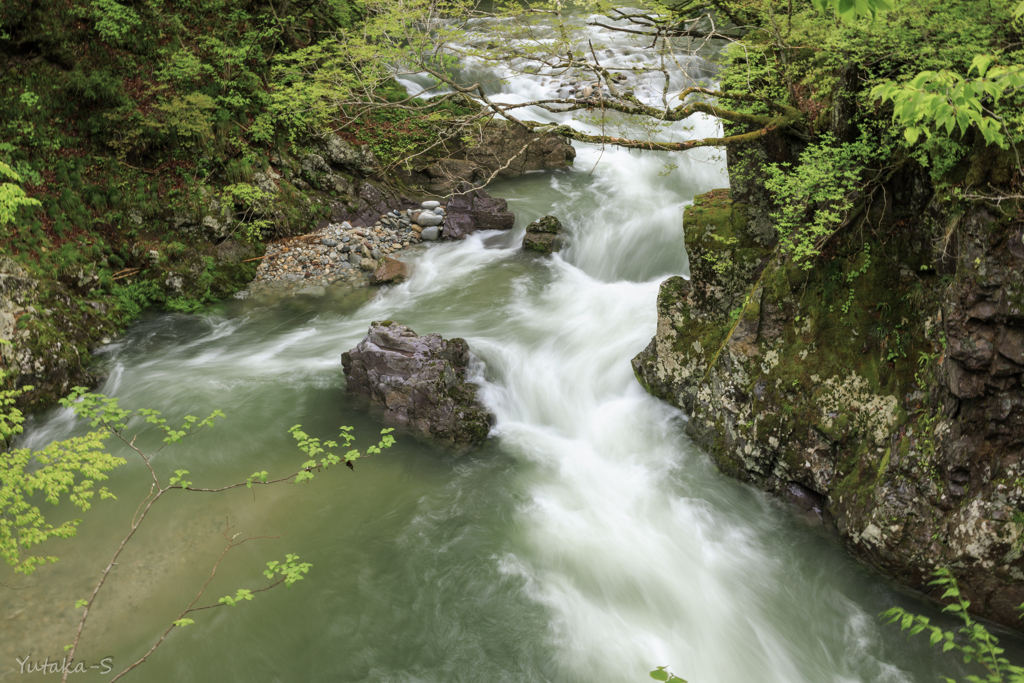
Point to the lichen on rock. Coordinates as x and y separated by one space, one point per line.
889 393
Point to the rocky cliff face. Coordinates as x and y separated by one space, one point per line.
884 384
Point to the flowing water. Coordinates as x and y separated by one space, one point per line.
588 540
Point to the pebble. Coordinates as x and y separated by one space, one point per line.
339 254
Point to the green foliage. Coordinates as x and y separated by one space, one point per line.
113 21
68 469
12 197
240 595
289 571
975 642
663 674
815 196
133 298
945 102
314 448
852 10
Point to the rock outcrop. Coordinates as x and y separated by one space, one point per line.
471 209
499 149
544 236
50 335
883 385
419 381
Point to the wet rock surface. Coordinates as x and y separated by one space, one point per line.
544 236
420 382
893 398
471 209
389 270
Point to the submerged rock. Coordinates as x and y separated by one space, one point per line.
544 235
419 381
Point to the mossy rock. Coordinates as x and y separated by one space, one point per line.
544 236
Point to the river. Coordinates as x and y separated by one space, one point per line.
588 540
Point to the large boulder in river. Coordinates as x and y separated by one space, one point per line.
419 381
544 236
471 209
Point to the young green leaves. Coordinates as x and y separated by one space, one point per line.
945 102
852 10
976 644
314 448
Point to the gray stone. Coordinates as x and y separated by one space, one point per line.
267 182
430 205
431 234
429 218
329 242
342 153
419 382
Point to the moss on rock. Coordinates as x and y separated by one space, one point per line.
838 378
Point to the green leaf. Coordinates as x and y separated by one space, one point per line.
659 674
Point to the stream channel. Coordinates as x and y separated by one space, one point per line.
588 540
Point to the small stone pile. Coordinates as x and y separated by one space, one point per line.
341 253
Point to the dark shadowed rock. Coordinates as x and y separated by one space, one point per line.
804 498
471 209
544 235
419 381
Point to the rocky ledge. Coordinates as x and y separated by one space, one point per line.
420 382
883 386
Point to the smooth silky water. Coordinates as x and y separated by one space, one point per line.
588 540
